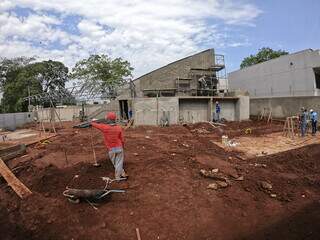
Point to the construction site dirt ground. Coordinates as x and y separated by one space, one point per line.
274 196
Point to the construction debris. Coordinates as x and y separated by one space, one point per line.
199 130
222 184
217 123
265 185
12 151
228 142
241 178
213 186
214 174
258 165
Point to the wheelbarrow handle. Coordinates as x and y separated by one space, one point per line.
110 191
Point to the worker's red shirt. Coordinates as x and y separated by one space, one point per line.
113 135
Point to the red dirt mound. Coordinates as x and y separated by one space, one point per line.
166 197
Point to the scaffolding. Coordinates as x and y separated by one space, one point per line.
203 81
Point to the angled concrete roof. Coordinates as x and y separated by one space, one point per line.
210 49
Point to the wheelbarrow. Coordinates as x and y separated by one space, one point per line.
75 195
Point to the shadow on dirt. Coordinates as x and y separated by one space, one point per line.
304 224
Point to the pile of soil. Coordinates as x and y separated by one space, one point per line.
166 197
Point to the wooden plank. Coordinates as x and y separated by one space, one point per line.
130 123
12 151
212 125
39 140
138 234
219 124
13 181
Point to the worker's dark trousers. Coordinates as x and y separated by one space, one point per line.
303 126
314 127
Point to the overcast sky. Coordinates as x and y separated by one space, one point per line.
152 33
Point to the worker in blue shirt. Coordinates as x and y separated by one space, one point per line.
303 121
218 109
130 114
314 120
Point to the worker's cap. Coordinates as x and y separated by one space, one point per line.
217 102
311 110
302 108
111 116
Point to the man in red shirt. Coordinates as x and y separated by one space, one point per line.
114 141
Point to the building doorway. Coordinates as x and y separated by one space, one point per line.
124 109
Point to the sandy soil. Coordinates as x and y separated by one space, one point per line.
271 143
166 197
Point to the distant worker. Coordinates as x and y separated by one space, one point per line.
218 110
114 142
303 121
130 114
314 121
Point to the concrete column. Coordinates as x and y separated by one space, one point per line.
242 108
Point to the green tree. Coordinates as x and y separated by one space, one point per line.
52 74
100 74
10 68
22 76
263 55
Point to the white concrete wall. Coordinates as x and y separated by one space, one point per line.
228 109
68 113
194 110
170 107
148 111
284 106
289 75
11 121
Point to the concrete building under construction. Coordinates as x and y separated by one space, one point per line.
182 91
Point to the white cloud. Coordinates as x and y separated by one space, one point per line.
147 33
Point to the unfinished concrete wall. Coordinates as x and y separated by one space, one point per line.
11 121
148 111
228 109
242 111
194 110
289 75
284 106
145 111
70 113
169 107
234 108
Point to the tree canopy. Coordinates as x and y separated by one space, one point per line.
263 55
100 74
21 76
